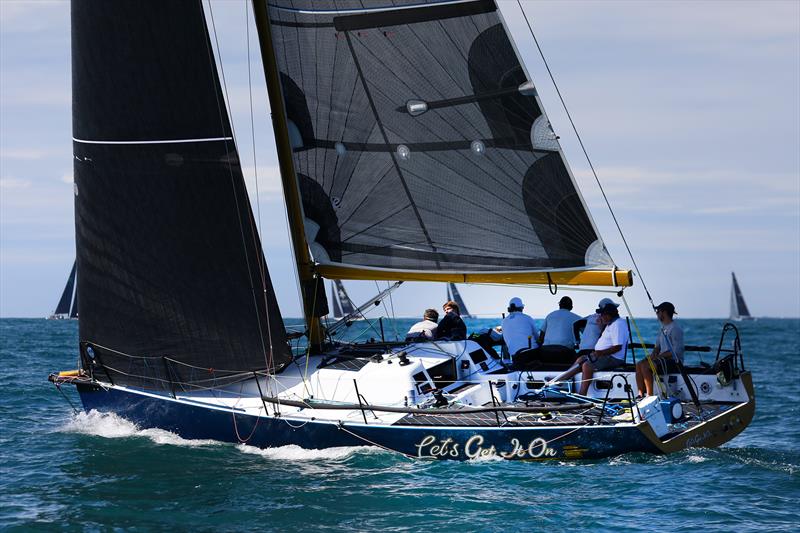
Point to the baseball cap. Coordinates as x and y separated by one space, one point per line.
516 302
666 306
603 303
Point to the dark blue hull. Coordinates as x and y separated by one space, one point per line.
442 442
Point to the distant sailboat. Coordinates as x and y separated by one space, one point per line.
454 295
341 303
739 310
63 309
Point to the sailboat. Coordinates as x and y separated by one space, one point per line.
454 295
412 146
340 302
69 295
739 310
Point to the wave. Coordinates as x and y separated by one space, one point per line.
112 426
293 452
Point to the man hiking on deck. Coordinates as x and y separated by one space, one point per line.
667 350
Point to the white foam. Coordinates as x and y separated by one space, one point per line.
293 452
112 426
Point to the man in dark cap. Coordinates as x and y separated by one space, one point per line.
557 328
609 351
667 349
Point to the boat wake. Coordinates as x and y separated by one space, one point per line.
111 426
296 453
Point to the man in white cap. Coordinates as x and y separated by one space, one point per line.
519 330
590 328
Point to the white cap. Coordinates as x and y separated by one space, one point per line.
604 302
516 302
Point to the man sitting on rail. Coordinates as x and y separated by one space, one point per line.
424 330
608 353
520 334
451 327
667 349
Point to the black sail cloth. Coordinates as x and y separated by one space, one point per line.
173 285
419 143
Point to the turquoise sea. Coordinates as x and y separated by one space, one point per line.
91 472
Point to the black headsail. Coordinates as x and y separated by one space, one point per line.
66 297
420 143
174 286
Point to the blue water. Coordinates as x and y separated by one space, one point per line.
61 471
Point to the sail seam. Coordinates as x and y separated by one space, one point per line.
386 140
158 141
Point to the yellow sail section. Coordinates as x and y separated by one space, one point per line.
596 278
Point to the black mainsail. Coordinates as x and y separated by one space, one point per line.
63 307
174 286
739 310
420 145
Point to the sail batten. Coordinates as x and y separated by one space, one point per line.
419 143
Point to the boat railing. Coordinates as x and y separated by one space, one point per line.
729 362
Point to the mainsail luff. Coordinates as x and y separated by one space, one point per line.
66 297
174 286
420 146
312 288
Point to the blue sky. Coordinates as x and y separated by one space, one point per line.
690 111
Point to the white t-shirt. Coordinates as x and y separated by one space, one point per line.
591 333
517 327
425 329
615 334
557 328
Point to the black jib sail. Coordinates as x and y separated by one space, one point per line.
62 309
420 143
174 287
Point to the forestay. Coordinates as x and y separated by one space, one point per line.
420 143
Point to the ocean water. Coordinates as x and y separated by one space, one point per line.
91 472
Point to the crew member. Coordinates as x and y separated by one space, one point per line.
451 327
425 329
609 351
519 332
589 328
667 350
557 329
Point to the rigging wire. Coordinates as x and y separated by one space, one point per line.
585 153
268 357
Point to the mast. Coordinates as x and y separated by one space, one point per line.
309 285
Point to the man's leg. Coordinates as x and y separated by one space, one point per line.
647 377
586 378
640 377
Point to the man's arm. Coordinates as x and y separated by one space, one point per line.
608 351
577 328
